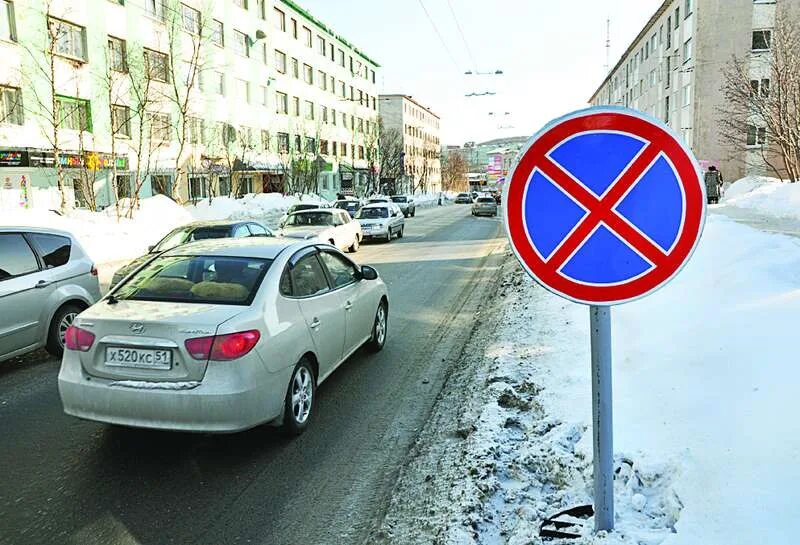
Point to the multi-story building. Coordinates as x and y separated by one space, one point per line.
187 98
489 162
673 71
419 127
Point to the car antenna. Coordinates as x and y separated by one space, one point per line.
111 300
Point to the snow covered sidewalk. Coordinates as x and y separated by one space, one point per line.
705 386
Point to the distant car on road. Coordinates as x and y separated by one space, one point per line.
222 336
484 206
330 225
406 204
199 230
46 280
381 221
379 200
463 198
350 205
306 206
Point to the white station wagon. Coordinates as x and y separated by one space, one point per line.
331 225
221 336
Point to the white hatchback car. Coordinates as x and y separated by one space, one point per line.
331 225
221 336
381 221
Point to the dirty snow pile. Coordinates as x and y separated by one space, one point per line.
104 238
766 196
705 397
265 207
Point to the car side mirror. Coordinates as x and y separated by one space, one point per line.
368 273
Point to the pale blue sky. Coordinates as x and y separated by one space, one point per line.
553 54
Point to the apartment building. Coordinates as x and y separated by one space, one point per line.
673 71
187 98
421 145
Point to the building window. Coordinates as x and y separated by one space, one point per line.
321 45
240 3
283 142
677 17
333 117
280 20
361 152
155 8
341 58
191 19
161 184
294 28
311 145
760 87
331 52
296 106
322 80
332 85
281 103
308 74
372 75
159 126
295 68
323 147
121 120
190 75
219 83
762 40
197 188
309 110
241 44
687 50
343 149
307 37
666 109
156 65
194 130
243 90
756 136
688 8
11 105
70 40
669 32
265 139
264 95
74 114
687 94
280 61
261 8
8 27
324 114
298 144
116 55
217 33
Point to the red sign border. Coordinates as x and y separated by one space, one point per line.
612 119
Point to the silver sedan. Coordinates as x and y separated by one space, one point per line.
221 336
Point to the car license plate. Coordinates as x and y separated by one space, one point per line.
138 357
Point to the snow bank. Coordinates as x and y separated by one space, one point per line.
267 207
705 398
767 196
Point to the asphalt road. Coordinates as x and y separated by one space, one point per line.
64 480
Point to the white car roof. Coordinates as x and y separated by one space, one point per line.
315 210
257 247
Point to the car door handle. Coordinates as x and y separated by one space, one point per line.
348 305
315 323
42 284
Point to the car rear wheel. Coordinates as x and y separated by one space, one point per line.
62 319
400 232
380 328
300 399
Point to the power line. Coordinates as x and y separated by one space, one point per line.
463 37
441 39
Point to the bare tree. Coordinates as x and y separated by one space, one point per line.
391 152
454 172
764 113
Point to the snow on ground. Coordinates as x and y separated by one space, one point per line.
705 382
766 196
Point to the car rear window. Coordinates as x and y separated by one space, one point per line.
205 233
372 213
399 199
196 279
55 249
310 219
486 199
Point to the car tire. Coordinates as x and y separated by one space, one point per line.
62 319
353 247
400 232
388 235
413 212
300 401
380 328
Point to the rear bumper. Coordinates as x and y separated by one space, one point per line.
375 233
223 402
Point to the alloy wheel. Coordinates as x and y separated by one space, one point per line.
302 395
64 324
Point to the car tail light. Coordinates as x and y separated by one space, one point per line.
93 271
223 347
78 339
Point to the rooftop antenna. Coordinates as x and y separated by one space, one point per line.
608 44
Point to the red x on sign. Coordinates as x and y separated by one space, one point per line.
604 206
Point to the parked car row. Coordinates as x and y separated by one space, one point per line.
406 204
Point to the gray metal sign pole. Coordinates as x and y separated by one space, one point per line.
600 324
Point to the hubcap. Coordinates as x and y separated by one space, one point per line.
380 325
302 395
64 324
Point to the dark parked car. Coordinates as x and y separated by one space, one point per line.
351 205
406 205
463 198
199 230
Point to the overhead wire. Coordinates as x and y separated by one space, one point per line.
439 34
463 36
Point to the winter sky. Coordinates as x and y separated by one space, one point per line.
553 54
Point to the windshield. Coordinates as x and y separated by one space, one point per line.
187 234
462 195
196 279
309 219
399 199
347 205
372 213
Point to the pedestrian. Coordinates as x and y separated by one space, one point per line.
713 181
440 198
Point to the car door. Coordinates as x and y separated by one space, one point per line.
322 308
24 288
344 276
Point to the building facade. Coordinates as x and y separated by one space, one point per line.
188 98
673 71
489 162
419 127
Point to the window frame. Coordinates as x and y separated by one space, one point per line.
331 282
71 28
300 255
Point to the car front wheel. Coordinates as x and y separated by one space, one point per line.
354 247
62 319
300 399
380 328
